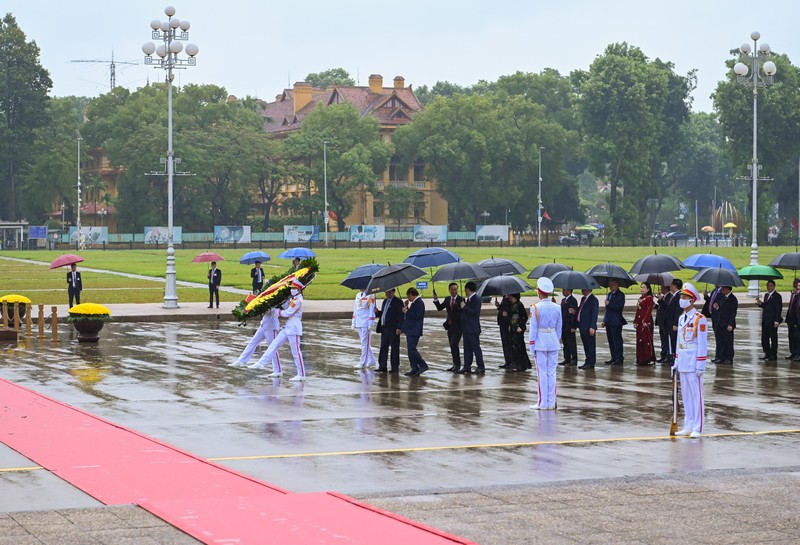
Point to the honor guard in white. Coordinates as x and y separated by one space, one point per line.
545 343
690 361
292 331
267 331
363 320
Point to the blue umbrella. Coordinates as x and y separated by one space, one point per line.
297 252
431 257
360 277
251 257
708 261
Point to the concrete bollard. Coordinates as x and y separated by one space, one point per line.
5 314
28 321
16 318
54 323
41 322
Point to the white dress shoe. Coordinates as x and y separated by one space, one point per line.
695 435
238 363
275 375
297 378
683 433
536 407
257 365
358 366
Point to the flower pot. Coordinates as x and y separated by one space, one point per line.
88 330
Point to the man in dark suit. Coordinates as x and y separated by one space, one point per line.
727 307
257 274
452 324
586 320
710 312
661 321
74 285
569 308
674 312
504 324
471 328
793 322
214 280
389 325
613 322
414 311
772 307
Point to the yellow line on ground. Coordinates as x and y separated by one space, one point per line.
13 469
492 445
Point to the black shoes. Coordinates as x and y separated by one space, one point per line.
464 372
571 363
585 366
609 362
411 374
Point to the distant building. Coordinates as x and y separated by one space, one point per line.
392 107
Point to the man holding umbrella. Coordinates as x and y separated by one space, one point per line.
545 343
452 324
74 285
471 328
257 274
586 320
214 281
613 321
771 307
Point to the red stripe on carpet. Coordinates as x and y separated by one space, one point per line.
214 504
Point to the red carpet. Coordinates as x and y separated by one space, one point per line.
212 503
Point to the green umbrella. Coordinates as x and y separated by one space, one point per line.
759 272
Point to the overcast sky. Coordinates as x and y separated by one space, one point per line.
258 48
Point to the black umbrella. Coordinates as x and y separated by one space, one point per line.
789 260
547 270
718 276
503 285
432 257
656 263
459 271
361 276
655 279
393 276
500 265
574 280
608 271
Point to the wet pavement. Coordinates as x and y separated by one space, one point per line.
448 450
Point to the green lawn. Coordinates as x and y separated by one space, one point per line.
47 286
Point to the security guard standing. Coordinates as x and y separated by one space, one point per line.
690 361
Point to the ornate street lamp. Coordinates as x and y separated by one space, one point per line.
539 202
757 57
171 32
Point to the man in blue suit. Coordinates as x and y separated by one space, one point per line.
414 311
613 321
586 318
390 323
471 328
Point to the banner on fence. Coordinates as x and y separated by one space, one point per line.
37 232
430 233
230 234
301 233
91 235
367 233
491 233
159 235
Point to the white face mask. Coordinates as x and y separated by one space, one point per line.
295 291
685 303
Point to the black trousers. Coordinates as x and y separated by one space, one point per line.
389 339
663 334
726 342
472 348
213 290
454 339
505 339
74 294
589 343
414 357
673 339
794 339
614 334
570 346
257 287
769 340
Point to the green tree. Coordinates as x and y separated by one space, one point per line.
23 108
399 200
629 111
332 76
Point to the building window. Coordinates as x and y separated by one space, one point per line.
419 170
396 172
419 205
377 205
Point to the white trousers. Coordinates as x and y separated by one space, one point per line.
272 352
693 404
367 355
546 365
262 334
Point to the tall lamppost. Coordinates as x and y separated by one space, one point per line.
325 178
168 32
78 219
539 202
757 57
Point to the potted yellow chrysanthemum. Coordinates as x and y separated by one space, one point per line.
88 319
12 301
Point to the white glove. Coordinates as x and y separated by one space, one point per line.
700 373
674 367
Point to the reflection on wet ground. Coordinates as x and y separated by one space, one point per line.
359 432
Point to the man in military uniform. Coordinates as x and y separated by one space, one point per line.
690 361
363 320
545 343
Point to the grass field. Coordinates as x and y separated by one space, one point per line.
46 286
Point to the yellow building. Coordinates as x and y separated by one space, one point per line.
392 107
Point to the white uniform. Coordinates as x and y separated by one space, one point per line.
363 320
291 332
267 331
690 361
545 344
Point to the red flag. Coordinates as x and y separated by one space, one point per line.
547 216
333 215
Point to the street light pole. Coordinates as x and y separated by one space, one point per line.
758 56
539 202
78 219
167 31
325 178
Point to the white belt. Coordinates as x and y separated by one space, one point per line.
547 330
